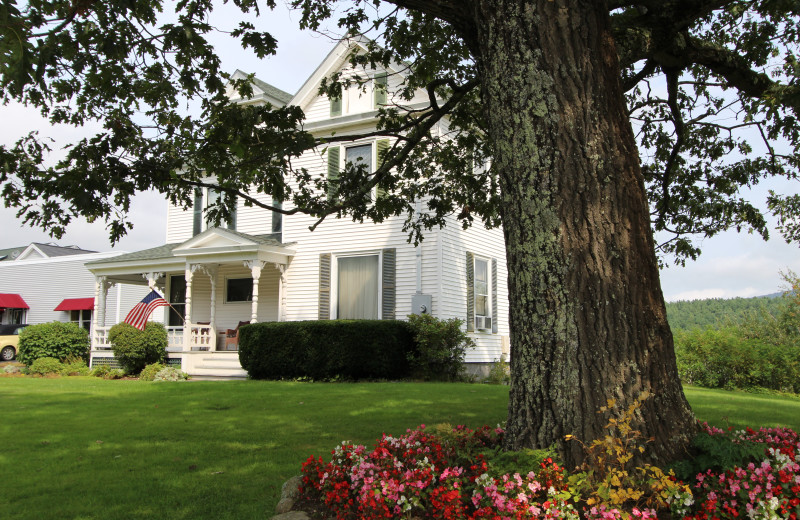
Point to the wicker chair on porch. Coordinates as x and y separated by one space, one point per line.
232 336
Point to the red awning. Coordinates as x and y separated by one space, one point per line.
75 304
12 301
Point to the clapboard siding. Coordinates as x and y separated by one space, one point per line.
44 282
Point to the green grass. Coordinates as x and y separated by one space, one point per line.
84 448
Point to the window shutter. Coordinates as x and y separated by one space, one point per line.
494 296
333 171
381 146
470 292
336 107
381 82
388 282
197 208
324 312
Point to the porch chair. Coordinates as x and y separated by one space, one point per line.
232 336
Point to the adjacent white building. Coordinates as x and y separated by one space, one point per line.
264 267
40 283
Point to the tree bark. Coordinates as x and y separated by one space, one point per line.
588 320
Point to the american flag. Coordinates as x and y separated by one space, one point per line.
142 310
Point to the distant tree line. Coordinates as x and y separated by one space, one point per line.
719 312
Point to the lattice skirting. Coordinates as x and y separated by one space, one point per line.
113 363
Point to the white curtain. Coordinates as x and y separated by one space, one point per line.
358 288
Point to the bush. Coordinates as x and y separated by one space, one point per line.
441 347
135 349
106 372
499 373
46 365
170 374
149 372
726 359
55 339
75 366
349 349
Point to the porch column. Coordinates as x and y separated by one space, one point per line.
255 270
187 318
211 271
104 286
281 269
99 304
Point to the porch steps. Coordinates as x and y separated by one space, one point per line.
220 366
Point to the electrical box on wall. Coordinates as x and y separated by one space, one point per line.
421 303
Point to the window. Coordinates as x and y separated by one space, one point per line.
177 300
482 293
82 318
239 290
357 99
359 155
357 287
277 218
17 316
203 198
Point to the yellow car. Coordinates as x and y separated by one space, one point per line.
9 339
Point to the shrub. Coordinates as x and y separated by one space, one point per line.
441 347
55 339
499 373
149 372
170 374
46 365
726 359
106 372
135 349
75 366
349 349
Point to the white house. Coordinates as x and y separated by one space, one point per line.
46 282
264 267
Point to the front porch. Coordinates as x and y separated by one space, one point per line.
213 282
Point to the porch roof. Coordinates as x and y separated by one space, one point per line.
215 245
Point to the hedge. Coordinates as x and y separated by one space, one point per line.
135 349
724 359
346 349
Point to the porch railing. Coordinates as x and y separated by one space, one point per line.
201 337
174 339
100 338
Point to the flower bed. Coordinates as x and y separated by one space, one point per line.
450 474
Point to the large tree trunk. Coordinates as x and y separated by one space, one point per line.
587 313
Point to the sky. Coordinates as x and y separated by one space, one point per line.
732 264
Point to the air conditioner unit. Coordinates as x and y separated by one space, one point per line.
483 322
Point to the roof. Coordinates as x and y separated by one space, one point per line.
154 253
11 253
12 301
75 304
52 250
272 90
165 251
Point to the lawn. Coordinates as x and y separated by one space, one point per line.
84 448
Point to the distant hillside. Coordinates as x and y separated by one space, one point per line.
715 312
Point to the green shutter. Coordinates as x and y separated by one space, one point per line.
336 107
333 171
388 290
494 296
324 312
382 146
381 83
470 292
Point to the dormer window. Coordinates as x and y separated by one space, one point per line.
355 99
